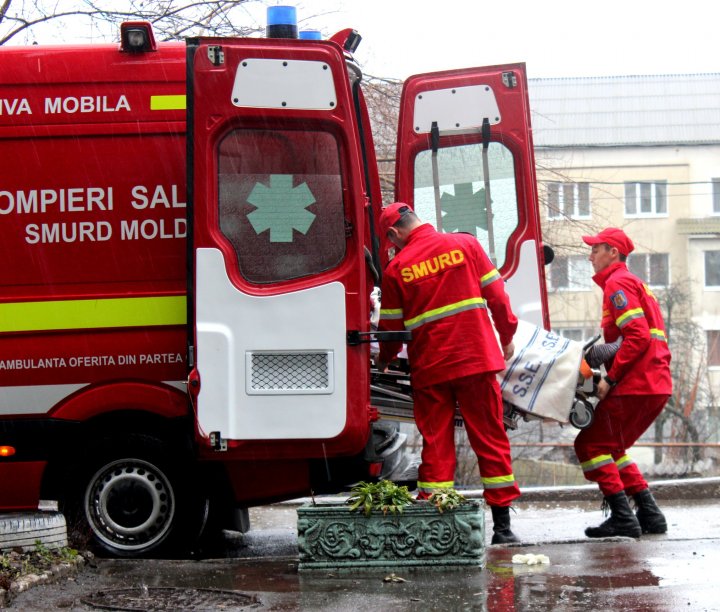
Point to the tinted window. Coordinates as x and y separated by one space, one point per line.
280 202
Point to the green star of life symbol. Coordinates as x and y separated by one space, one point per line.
465 211
281 208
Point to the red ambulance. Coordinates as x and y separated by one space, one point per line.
189 246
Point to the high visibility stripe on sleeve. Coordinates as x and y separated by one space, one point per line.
490 277
658 334
444 311
628 316
596 462
391 313
178 102
498 482
93 314
624 461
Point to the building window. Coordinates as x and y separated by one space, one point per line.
572 273
653 268
713 347
716 196
712 269
646 199
568 200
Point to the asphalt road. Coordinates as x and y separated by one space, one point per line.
676 571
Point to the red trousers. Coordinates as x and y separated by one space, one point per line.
601 448
481 406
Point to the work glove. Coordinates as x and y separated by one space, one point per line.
598 354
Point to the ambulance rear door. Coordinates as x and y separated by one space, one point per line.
279 275
465 163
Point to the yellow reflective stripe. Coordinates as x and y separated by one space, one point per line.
168 102
496 479
658 334
624 462
93 314
391 313
650 293
596 462
444 311
498 482
635 313
448 484
491 276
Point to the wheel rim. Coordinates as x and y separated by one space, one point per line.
130 505
581 415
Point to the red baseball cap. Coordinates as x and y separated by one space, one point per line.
614 237
390 215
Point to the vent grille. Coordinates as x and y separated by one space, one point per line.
284 372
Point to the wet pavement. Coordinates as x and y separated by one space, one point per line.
676 571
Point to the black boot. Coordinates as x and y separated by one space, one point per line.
648 514
501 526
622 521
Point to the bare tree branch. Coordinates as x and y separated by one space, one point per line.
171 20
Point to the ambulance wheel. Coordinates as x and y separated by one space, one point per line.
582 414
139 500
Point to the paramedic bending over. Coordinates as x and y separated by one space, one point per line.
633 393
440 287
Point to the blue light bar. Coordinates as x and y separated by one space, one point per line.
281 22
310 35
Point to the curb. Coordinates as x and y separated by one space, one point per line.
688 488
23 583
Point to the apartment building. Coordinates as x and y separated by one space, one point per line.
641 153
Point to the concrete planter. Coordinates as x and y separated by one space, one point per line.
332 537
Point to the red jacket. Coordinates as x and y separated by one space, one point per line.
630 310
440 286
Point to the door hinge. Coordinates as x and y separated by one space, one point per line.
217 442
216 55
509 79
356 337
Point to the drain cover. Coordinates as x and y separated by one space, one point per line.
170 598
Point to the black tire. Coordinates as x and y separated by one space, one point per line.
141 498
582 414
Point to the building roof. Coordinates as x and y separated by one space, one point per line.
678 109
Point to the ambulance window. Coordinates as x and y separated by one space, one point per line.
280 202
462 193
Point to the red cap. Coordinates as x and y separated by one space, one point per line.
614 237
390 215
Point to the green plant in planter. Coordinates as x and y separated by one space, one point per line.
447 500
385 496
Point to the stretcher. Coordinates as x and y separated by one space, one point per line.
547 379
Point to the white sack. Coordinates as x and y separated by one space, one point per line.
543 374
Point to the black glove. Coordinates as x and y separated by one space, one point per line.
598 354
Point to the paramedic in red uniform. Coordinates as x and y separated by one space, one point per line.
440 286
633 393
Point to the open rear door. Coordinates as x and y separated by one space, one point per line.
465 163
278 223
